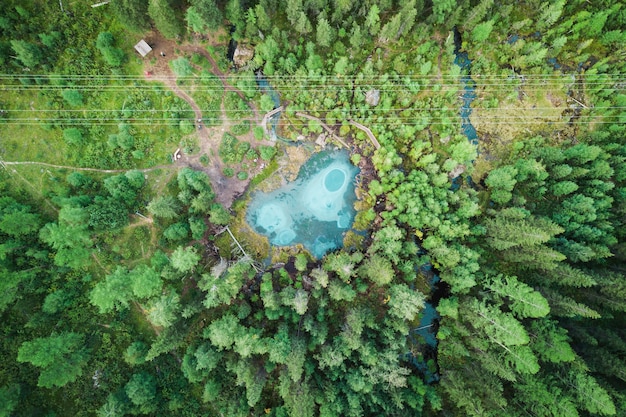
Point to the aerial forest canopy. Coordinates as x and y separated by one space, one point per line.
483 274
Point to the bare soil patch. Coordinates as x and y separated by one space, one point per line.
157 69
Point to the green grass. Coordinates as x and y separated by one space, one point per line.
146 107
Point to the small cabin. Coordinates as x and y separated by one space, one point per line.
143 48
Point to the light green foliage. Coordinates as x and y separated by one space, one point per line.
325 33
222 332
372 21
520 237
73 97
482 31
342 264
449 307
525 302
69 237
112 293
222 289
589 394
550 13
388 242
163 311
122 286
405 303
73 136
477 13
181 67
61 358
164 206
219 215
501 181
145 282
301 262
377 269
267 152
501 328
185 259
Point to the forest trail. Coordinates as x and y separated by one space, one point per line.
104 171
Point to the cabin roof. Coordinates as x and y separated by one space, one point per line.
143 48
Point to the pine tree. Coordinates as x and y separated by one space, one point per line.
324 32
61 358
165 19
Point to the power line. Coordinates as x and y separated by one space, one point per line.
289 109
305 76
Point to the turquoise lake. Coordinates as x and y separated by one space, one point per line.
314 210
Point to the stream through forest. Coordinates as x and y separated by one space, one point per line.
425 334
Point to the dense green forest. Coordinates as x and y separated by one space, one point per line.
495 192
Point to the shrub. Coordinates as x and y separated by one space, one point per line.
73 97
73 136
258 132
241 128
267 152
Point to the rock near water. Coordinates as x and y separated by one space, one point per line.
243 54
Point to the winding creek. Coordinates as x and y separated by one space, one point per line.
317 209
425 334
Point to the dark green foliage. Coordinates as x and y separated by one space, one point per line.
141 390
165 18
203 14
9 396
107 214
532 251
60 357
30 55
112 55
176 231
132 13
232 150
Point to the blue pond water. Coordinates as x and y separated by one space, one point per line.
315 210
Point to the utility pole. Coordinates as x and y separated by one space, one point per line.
61 4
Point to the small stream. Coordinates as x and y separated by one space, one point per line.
469 94
266 88
425 334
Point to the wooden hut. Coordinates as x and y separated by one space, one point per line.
143 48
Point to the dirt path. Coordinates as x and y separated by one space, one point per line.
106 171
226 189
